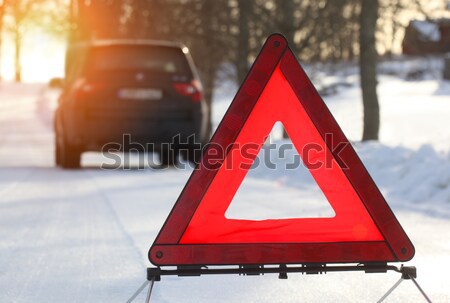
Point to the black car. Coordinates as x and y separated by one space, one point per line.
146 90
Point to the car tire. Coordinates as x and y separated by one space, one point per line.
57 140
193 155
167 157
57 151
68 156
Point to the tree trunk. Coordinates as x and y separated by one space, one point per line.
368 64
209 70
285 11
286 24
17 65
2 13
243 38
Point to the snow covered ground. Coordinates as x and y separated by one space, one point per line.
83 236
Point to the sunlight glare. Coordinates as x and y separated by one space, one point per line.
42 57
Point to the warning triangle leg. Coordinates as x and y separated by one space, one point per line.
408 273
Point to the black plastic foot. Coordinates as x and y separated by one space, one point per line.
154 273
408 272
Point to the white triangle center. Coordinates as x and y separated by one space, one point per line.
279 186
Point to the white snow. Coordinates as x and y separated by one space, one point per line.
83 236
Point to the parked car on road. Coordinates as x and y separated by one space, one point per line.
149 90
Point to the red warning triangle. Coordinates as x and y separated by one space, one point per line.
364 228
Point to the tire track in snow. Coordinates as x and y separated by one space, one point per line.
61 241
71 236
116 217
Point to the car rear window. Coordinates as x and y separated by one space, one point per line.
162 59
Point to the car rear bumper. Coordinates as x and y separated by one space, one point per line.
95 131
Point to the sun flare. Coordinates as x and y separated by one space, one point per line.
42 57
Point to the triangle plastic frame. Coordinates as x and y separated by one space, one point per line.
171 247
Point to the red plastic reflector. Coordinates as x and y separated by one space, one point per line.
364 228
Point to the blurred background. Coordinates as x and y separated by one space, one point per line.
225 36
36 32
82 235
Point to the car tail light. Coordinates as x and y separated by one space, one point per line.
193 90
83 88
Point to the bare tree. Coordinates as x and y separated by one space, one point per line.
3 4
22 14
19 13
245 9
286 24
213 48
367 63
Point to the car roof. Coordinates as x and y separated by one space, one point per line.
128 42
